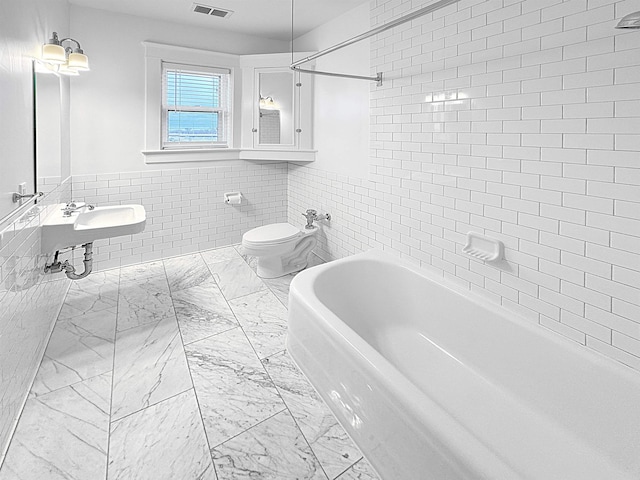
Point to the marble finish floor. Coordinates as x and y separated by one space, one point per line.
177 369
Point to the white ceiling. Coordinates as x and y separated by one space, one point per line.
264 18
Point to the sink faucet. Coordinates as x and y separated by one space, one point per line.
74 207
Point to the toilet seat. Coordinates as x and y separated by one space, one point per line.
273 234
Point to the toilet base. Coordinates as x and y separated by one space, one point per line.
279 259
272 267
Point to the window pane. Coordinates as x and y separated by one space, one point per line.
195 106
185 89
192 127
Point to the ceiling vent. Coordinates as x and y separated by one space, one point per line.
211 11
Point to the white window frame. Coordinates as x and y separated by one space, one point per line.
155 55
223 110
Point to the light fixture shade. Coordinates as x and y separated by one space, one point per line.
53 54
630 21
65 70
78 61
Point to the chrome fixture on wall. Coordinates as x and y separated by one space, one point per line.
64 60
17 197
630 21
312 215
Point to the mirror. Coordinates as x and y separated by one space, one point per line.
276 114
48 102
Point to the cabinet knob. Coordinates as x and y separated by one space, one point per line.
254 130
298 130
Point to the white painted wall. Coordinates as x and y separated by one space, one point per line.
341 106
107 105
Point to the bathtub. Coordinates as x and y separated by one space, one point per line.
435 383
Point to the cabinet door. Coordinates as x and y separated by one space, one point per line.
275 112
304 111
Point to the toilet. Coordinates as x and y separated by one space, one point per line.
281 248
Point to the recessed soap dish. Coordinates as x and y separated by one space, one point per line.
483 248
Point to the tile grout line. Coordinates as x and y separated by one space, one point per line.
186 359
113 374
287 408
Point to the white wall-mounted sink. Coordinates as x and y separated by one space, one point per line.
85 225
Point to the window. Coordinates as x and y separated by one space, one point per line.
196 108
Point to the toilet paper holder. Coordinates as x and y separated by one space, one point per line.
233 198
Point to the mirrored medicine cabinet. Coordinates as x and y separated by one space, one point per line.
277 104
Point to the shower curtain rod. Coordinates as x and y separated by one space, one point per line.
382 28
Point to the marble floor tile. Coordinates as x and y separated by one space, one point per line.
143 296
186 272
235 278
280 287
233 389
272 450
202 311
163 442
360 471
79 348
217 255
250 259
264 321
149 367
62 435
330 443
98 291
259 419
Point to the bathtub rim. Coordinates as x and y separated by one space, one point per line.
476 455
305 277
467 449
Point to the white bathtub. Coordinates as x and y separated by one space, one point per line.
433 384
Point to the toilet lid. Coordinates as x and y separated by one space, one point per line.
273 233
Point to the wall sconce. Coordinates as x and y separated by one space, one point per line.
268 103
64 60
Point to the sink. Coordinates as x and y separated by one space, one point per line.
84 225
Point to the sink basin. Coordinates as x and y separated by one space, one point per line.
84 225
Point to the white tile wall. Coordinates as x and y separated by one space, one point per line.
29 305
518 119
185 209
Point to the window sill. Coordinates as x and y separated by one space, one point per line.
218 154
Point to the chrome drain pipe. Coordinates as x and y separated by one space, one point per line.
69 269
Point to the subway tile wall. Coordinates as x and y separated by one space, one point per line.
517 119
185 209
29 305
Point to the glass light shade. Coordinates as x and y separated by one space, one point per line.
267 103
53 54
630 21
65 70
78 61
